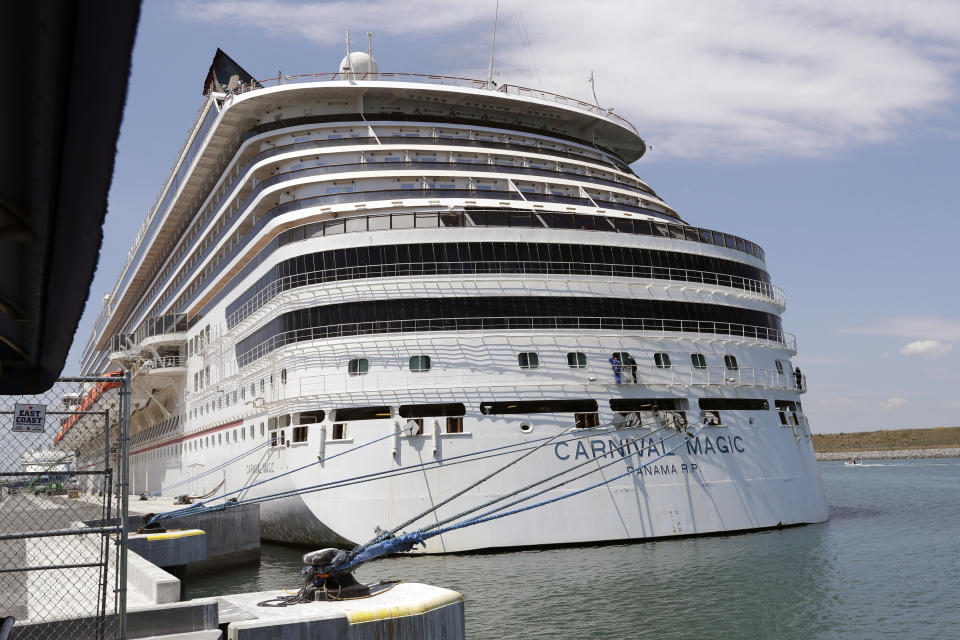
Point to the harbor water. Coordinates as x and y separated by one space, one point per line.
884 566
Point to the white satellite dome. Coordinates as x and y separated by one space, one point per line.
358 65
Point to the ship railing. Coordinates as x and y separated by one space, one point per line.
657 327
454 81
430 167
163 362
161 325
241 174
270 290
440 140
648 375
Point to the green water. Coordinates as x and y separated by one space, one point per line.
885 565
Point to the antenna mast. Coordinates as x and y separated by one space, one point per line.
493 46
349 63
593 88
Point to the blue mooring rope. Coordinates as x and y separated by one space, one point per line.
201 506
407 541
209 471
205 507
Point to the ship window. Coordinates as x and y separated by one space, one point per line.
339 431
626 405
779 364
243 434
261 430
586 420
253 433
363 413
528 360
300 433
577 360
283 376
243 393
432 410
538 406
730 362
358 366
263 386
419 363
734 404
253 389
312 417
662 360
698 361
455 424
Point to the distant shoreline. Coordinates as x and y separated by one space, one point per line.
935 442
936 452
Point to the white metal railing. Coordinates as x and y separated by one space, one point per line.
392 380
505 267
163 362
455 81
656 326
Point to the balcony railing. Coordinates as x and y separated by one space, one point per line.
257 299
657 326
470 83
163 362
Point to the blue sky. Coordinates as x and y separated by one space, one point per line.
829 133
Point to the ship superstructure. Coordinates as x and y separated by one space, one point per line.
473 268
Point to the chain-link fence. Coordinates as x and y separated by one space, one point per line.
62 561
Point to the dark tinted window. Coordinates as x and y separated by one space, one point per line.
538 406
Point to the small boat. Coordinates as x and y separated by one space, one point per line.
851 462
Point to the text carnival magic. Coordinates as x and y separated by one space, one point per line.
651 448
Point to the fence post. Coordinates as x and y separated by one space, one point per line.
124 438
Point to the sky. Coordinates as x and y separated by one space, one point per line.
827 132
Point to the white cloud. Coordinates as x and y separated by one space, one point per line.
916 327
724 78
892 403
930 349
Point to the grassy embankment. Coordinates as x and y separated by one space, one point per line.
935 438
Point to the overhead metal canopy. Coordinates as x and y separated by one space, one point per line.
65 66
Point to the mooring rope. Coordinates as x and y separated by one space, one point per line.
344 562
377 475
220 466
198 507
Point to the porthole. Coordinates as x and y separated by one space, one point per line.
528 360
419 363
526 427
577 360
358 366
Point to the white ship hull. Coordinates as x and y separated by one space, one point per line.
734 477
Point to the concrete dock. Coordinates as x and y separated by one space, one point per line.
232 536
206 541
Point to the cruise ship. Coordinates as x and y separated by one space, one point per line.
359 293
